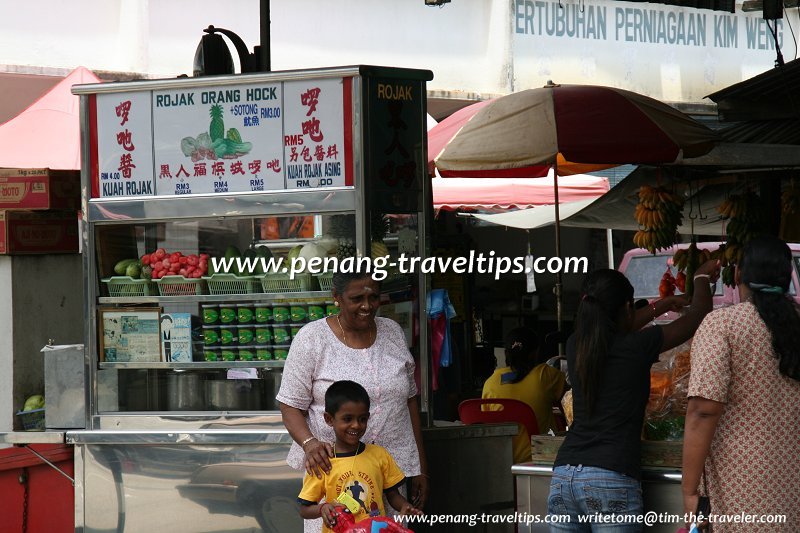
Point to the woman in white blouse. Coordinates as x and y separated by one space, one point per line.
354 345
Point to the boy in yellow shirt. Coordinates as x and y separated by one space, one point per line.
364 472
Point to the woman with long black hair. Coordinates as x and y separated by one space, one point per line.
743 417
597 469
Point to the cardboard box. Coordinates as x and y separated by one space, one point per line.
34 232
40 188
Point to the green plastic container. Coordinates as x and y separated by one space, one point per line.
280 313
263 334
246 334
210 314
331 309
263 313
263 353
281 334
228 354
298 313
247 354
227 335
227 314
210 335
316 310
245 313
280 352
211 353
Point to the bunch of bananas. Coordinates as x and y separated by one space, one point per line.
659 212
686 261
746 216
790 200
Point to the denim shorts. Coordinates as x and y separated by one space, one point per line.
594 499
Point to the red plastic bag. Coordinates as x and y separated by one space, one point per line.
346 523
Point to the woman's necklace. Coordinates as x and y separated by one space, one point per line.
344 335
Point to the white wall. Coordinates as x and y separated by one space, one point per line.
472 46
41 298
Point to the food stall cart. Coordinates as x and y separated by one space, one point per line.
182 425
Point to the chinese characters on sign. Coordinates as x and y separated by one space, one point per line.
125 168
313 142
227 139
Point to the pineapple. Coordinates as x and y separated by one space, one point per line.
217 128
343 229
379 227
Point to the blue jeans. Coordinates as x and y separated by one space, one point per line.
594 494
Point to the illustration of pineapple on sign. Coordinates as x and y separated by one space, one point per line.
215 144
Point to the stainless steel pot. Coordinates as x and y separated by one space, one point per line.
234 394
272 384
185 391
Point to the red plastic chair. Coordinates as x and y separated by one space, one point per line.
471 412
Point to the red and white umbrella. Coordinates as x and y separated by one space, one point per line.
570 128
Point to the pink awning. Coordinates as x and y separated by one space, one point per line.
47 133
506 193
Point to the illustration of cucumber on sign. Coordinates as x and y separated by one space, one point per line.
218 139
314 136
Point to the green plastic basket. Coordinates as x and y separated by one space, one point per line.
232 284
181 286
32 420
325 281
277 283
122 286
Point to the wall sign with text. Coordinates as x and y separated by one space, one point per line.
222 139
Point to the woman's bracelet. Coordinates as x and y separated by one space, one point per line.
702 276
655 314
309 439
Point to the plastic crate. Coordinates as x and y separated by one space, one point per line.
276 283
32 420
121 286
325 281
181 286
232 284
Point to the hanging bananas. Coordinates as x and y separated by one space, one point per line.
659 213
746 219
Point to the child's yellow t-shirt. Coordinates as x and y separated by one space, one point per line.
365 476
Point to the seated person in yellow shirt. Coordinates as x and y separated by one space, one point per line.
529 380
364 472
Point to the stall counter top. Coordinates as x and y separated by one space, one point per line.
462 431
188 436
32 437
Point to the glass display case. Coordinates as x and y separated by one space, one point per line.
207 252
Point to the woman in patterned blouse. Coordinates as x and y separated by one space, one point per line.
743 417
354 345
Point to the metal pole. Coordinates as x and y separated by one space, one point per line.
264 63
610 247
559 309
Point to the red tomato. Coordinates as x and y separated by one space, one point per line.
160 253
156 274
145 259
182 272
203 265
174 256
189 269
192 260
175 267
204 257
195 274
183 260
166 263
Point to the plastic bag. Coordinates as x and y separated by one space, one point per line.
669 384
346 523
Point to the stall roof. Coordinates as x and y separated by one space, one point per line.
47 133
507 193
769 95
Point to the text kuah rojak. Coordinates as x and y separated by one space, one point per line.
254 94
127 188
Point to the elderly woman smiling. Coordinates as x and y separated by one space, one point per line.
358 346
